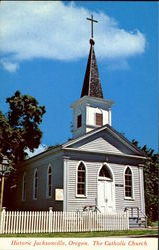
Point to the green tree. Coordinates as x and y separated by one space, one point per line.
150 182
19 128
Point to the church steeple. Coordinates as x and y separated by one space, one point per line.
91 85
91 111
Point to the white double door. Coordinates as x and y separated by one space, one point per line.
105 196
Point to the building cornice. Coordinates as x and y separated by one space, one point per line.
104 153
87 99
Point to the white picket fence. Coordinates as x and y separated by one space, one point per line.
49 221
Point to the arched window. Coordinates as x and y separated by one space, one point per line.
24 187
35 185
81 179
105 172
128 183
49 182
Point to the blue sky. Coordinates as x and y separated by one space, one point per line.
44 50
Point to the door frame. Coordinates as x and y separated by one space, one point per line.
107 179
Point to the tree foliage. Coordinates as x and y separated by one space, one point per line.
150 182
19 128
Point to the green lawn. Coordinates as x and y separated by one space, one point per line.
88 234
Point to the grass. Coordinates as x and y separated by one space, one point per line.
137 232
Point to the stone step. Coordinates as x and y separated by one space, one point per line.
135 222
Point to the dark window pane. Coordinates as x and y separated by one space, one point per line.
49 191
49 182
79 121
81 176
99 119
104 172
35 185
128 183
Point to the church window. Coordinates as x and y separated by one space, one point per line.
128 183
49 182
99 119
81 179
24 187
35 185
79 121
105 172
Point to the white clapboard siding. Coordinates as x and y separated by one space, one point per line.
100 145
48 222
121 202
92 172
92 169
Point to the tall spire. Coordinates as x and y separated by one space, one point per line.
91 85
91 111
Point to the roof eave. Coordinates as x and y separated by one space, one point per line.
105 153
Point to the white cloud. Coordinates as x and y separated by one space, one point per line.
59 30
9 66
37 151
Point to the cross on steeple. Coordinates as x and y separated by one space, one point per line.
91 85
92 20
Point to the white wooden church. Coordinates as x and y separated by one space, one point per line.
98 167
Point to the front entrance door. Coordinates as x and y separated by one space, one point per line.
105 196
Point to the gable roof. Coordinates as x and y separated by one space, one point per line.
115 134
69 145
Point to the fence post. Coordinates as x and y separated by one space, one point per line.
50 219
90 221
127 215
2 220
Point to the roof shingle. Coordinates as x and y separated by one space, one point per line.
91 85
